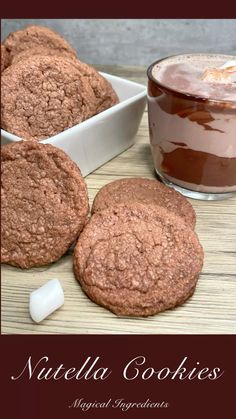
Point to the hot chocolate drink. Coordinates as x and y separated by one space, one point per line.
192 121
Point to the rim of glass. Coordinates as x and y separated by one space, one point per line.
185 95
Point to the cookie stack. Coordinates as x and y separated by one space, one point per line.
45 89
139 255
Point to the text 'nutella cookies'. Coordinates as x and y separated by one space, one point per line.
137 260
147 191
44 203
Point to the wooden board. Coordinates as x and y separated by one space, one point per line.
212 309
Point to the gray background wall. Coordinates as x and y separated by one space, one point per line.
137 41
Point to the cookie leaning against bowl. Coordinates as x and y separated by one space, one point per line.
103 93
137 260
147 191
42 96
44 203
33 37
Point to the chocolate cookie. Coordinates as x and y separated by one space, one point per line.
42 96
5 59
104 94
103 91
44 203
137 259
41 50
36 36
147 191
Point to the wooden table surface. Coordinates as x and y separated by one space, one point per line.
212 309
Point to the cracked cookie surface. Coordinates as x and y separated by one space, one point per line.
5 59
42 96
104 93
137 259
41 50
33 37
147 191
45 95
44 203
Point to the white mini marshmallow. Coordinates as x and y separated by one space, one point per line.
231 63
226 74
45 300
216 75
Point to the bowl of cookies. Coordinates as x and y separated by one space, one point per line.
48 95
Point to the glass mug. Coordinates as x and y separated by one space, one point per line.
193 140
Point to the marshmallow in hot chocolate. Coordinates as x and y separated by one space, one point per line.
225 74
185 73
192 120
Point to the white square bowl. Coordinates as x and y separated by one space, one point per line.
98 139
